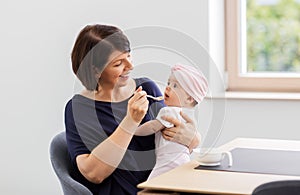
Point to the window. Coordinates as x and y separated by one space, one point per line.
263 45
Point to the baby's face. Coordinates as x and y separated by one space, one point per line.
174 94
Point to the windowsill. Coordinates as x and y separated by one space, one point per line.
259 95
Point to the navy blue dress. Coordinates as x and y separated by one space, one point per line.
89 122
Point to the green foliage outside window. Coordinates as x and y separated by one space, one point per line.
273 36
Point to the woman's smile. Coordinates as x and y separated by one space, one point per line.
124 76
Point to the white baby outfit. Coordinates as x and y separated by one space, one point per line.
170 154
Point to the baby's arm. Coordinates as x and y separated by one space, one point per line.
149 128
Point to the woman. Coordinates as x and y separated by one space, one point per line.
100 122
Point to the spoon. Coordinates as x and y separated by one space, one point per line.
159 98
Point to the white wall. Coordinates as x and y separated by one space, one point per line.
36 38
259 118
276 119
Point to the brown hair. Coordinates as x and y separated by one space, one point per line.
91 50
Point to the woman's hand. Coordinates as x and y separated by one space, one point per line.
183 133
138 105
136 110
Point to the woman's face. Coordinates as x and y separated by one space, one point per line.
116 73
174 94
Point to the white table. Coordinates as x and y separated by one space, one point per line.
186 179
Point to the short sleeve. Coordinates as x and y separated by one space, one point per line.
74 142
83 131
168 111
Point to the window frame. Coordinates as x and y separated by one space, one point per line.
249 82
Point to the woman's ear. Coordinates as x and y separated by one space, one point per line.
97 72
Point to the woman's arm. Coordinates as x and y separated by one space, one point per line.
105 157
149 128
183 133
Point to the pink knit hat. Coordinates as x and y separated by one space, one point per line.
191 80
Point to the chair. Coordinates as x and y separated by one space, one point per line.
61 164
283 187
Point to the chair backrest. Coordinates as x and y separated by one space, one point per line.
62 166
283 187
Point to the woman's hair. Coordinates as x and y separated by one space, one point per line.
92 48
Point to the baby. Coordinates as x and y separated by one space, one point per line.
187 87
